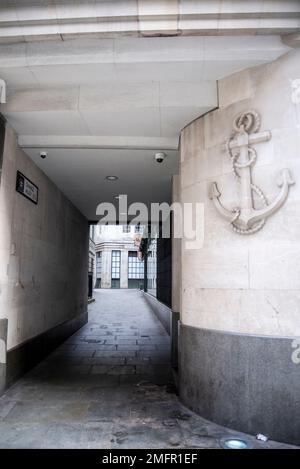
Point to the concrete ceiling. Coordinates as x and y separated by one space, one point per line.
81 175
105 106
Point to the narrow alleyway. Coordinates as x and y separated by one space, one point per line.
108 386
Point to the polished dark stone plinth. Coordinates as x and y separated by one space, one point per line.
246 382
3 339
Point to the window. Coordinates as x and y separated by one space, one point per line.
115 269
98 269
135 271
152 267
138 229
91 263
115 264
92 232
135 267
126 228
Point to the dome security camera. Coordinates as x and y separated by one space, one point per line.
159 157
43 154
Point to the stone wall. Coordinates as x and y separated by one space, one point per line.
124 269
176 252
176 278
245 285
43 256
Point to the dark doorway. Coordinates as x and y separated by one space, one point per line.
90 285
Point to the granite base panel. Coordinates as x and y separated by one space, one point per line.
175 318
246 382
25 356
3 341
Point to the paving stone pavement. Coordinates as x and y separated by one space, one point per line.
107 386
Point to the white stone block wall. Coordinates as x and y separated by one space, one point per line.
124 269
245 284
43 252
106 269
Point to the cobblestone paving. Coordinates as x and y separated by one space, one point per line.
107 386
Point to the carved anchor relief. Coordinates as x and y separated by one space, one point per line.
246 219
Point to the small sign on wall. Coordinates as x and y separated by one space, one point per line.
25 187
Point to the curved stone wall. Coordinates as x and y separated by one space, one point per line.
243 291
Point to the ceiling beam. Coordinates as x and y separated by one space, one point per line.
95 142
133 51
24 21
